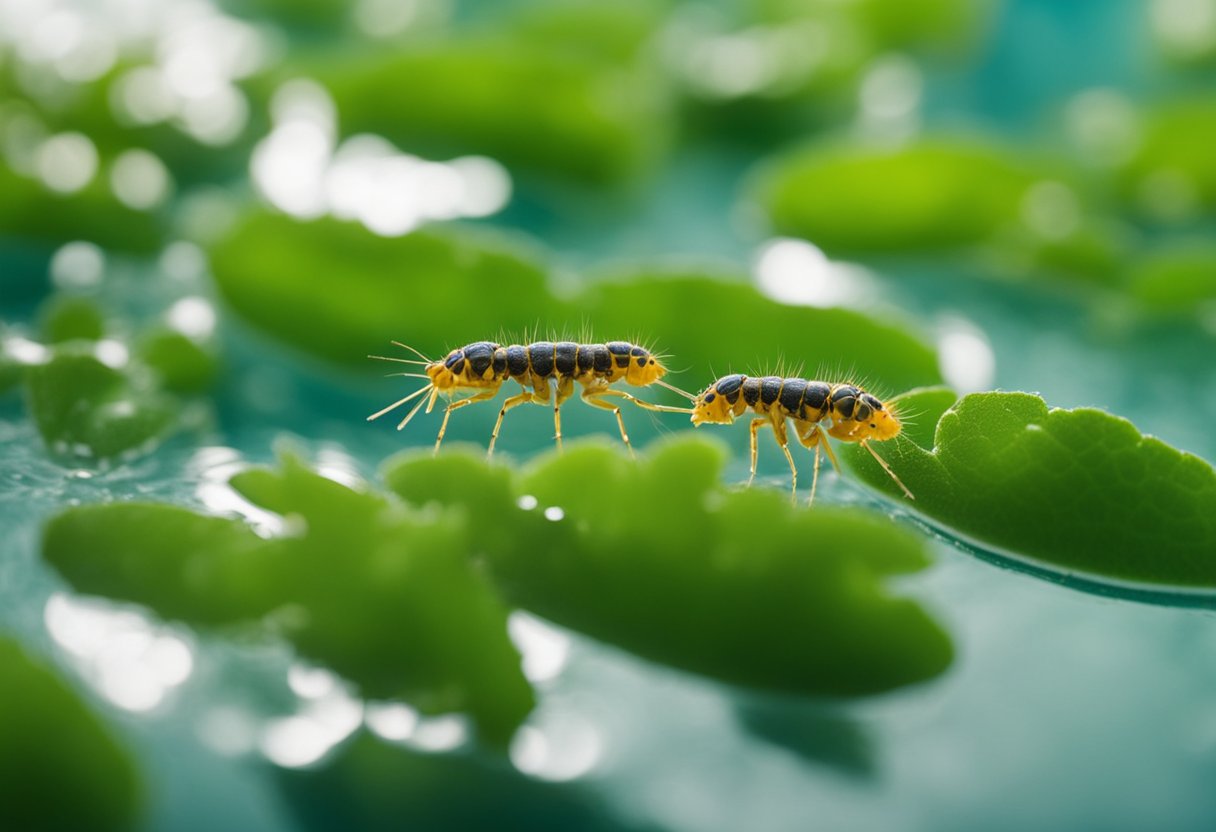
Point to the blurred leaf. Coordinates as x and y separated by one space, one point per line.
717 326
612 33
60 769
33 213
337 290
85 408
1172 175
1080 489
943 25
931 195
1093 253
68 318
1176 280
387 598
183 364
659 558
341 292
529 106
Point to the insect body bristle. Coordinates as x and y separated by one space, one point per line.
816 410
546 370
414 351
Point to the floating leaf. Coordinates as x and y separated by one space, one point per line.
1172 175
529 105
32 213
1081 490
59 768
1177 280
339 291
183 364
203 570
86 408
930 195
385 597
759 334
67 318
658 557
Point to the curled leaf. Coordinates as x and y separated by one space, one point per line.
1075 490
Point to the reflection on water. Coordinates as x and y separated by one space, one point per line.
77 265
298 168
797 272
545 649
965 355
129 660
329 714
557 746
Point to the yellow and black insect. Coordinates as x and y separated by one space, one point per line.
855 415
547 372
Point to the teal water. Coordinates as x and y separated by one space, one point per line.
1065 710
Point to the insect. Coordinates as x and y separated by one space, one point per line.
856 416
547 372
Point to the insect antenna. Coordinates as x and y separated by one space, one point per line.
414 351
410 375
401 360
675 389
398 403
887 468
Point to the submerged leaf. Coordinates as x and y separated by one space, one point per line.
59 768
659 558
1080 489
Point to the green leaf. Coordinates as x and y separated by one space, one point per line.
931 195
85 408
388 598
339 291
1175 280
183 364
68 318
1172 175
530 105
60 769
32 213
203 570
1079 490
658 557
734 328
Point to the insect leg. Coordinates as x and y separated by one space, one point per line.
756 423
592 397
447 411
662 408
812 437
520 398
783 440
562 389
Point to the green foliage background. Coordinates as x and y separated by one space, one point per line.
1000 197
